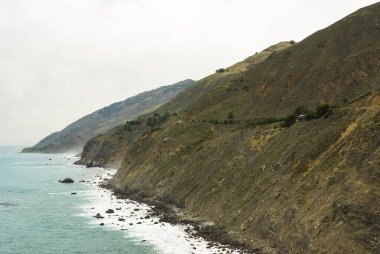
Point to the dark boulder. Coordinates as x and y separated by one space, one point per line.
98 216
110 211
66 180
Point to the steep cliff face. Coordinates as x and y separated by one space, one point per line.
313 187
74 137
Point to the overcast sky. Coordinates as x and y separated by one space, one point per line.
63 59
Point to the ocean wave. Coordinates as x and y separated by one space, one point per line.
7 204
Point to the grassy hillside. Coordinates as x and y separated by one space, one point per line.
223 154
331 66
73 137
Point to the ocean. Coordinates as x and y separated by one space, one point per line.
40 215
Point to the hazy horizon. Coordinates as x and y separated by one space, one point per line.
61 60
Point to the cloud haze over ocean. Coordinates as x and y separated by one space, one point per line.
63 59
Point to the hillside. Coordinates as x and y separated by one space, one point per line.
224 154
74 136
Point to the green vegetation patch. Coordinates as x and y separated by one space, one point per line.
301 113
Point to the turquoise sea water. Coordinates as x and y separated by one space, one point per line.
38 214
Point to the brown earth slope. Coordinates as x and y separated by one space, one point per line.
311 188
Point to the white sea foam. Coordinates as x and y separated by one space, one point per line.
60 193
166 238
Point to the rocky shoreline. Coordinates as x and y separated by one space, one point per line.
129 210
217 236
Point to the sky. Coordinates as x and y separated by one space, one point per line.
63 59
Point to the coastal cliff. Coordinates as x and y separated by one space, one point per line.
73 137
251 149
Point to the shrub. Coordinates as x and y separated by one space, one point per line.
155 129
157 119
309 115
289 121
272 54
214 121
230 115
299 111
127 127
164 117
322 110
134 122
151 122
128 124
321 44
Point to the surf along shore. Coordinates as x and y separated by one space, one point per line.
150 221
